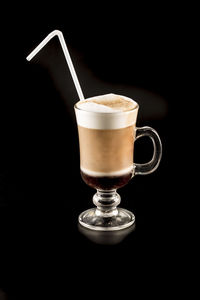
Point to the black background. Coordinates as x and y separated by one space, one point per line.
126 50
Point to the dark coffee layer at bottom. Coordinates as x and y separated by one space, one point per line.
107 182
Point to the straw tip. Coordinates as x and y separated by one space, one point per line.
56 31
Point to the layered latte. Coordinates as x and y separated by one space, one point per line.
106 127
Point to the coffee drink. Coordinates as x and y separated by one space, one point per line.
106 127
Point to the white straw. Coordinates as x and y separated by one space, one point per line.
66 54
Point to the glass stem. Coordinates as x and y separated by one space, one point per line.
106 202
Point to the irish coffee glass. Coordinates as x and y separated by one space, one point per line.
107 216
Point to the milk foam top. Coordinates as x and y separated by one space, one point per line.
108 111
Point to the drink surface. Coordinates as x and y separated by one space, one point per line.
109 103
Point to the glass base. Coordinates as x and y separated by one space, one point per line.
103 237
96 220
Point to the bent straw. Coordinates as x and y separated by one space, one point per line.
66 54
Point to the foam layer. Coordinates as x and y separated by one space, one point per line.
94 107
107 103
106 112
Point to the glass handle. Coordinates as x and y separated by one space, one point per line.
151 166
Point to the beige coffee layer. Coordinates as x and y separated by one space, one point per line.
106 151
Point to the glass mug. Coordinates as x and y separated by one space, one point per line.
106 142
